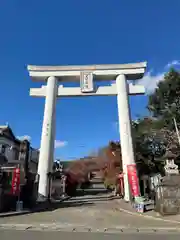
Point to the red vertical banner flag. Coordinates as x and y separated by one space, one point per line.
16 182
133 180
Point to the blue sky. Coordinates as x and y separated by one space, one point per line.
81 32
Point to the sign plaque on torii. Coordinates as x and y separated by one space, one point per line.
85 75
86 82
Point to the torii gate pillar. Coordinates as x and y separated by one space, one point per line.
127 150
120 72
46 156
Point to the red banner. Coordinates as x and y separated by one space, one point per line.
16 182
133 180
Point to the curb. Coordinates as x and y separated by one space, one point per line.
10 214
70 228
145 216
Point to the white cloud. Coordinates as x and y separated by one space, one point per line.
173 63
60 144
24 137
150 81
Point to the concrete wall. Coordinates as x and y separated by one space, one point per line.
34 155
33 160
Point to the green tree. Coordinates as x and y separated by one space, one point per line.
164 103
149 144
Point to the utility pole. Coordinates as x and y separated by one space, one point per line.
176 128
170 111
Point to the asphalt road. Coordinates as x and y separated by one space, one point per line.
29 235
93 214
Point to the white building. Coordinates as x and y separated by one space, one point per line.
10 148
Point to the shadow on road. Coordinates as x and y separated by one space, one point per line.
93 198
77 201
53 206
89 192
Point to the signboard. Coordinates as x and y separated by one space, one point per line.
133 180
16 182
86 82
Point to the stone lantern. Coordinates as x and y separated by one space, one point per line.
170 167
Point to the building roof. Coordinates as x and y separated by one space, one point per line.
7 132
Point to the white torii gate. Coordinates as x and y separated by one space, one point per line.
86 75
